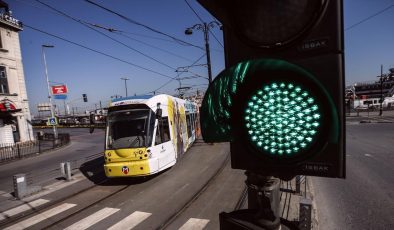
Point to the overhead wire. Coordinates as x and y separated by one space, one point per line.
143 25
168 82
121 33
369 17
202 21
99 52
113 39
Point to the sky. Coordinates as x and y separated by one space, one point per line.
93 63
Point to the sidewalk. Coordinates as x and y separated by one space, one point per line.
370 117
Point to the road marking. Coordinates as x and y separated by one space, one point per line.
40 217
368 155
194 224
5 194
92 219
130 221
54 187
22 208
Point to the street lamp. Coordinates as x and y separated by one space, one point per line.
125 85
49 91
205 27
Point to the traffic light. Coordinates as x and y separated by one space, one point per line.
280 99
85 97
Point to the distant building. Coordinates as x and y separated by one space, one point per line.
15 125
374 89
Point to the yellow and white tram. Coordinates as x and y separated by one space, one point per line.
147 134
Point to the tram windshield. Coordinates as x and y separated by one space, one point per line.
130 128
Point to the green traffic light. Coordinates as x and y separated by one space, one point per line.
282 119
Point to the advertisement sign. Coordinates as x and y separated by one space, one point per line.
59 89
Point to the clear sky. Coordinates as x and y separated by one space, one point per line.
367 46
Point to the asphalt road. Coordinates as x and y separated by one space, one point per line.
45 168
365 200
167 200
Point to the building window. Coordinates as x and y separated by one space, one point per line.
1 41
3 81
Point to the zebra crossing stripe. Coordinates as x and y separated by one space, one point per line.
92 219
194 224
5 194
40 217
22 208
130 221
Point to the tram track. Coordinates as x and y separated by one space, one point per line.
118 191
172 218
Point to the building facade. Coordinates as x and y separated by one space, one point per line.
15 118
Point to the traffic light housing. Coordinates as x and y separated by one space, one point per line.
85 97
280 99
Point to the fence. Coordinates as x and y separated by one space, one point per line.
44 142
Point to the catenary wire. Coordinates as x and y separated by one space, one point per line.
168 82
122 33
99 52
368 18
113 39
143 25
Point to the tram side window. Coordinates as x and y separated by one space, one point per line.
158 140
166 129
189 127
162 131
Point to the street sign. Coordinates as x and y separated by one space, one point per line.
59 89
60 96
52 121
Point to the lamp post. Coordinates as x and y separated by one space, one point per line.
49 90
205 27
125 84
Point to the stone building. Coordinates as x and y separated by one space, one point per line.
15 125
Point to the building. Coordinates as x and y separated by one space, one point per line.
15 125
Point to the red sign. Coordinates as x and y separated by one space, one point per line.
59 89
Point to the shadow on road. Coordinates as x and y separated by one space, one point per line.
94 171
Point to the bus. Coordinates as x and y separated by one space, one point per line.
148 134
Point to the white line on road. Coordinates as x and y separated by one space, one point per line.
55 187
22 208
5 194
40 217
194 224
130 221
368 155
92 219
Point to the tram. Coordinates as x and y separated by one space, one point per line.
148 134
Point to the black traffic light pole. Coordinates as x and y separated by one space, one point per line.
263 206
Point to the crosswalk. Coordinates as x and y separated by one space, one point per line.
129 222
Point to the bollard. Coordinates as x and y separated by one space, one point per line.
67 170
305 217
62 171
20 185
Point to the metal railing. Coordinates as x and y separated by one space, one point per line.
44 142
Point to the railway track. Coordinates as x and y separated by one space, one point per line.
111 192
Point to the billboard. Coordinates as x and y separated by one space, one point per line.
59 89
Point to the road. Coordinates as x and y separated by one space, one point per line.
365 200
43 168
190 194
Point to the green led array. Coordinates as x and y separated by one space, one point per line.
282 119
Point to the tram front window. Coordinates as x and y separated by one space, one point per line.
129 129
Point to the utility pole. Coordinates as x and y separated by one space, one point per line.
381 91
49 91
125 84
